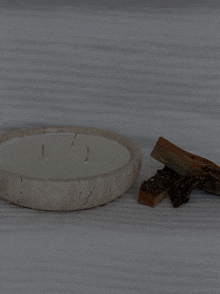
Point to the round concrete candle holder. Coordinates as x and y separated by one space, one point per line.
66 167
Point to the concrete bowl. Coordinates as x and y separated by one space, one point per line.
64 192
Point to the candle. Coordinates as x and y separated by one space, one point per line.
61 155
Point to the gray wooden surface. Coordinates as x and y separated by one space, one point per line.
143 72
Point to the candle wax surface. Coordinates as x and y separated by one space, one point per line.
65 155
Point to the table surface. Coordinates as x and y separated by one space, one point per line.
140 70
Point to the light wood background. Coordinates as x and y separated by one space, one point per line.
140 70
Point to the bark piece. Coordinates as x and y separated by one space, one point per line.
179 191
188 164
156 188
179 160
210 181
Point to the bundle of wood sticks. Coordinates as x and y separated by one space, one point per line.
182 173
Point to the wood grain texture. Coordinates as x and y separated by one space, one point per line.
182 162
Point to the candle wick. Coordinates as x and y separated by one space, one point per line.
72 144
43 151
87 157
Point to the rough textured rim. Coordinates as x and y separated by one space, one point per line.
131 168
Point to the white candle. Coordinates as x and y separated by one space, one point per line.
63 155
66 168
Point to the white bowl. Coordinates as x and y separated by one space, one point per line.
66 167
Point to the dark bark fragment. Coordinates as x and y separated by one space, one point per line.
155 189
179 191
183 172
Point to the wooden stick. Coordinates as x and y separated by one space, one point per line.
188 164
179 160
